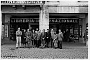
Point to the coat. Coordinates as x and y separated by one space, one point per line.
38 36
60 36
18 33
28 35
48 34
52 35
43 35
34 36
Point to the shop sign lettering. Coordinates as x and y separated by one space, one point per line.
64 20
23 20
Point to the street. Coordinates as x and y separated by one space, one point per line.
69 51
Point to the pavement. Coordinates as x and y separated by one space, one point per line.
68 51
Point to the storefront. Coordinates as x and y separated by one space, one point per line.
72 24
45 15
26 21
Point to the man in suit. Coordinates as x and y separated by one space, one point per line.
38 38
60 37
33 38
47 38
23 37
29 38
43 38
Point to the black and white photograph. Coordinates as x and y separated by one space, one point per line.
44 29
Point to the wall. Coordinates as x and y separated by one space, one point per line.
66 9
7 18
10 9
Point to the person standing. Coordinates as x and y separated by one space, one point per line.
47 38
29 37
38 38
55 41
23 37
33 38
18 38
43 38
52 37
60 37
36 32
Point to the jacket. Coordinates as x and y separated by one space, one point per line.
18 33
43 35
60 36
38 36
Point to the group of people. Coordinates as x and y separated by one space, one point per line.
40 39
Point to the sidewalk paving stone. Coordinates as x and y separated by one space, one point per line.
67 52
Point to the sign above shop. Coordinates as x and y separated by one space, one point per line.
64 20
24 20
33 20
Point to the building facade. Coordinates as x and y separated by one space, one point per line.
71 15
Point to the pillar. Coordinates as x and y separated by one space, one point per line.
41 19
44 18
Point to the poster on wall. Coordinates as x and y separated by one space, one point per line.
6 30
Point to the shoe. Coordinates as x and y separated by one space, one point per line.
16 47
60 48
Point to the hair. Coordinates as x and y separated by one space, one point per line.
18 28
32 30
60 29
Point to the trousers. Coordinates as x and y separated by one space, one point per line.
18 41
60 44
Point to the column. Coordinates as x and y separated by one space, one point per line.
41 19
44 18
